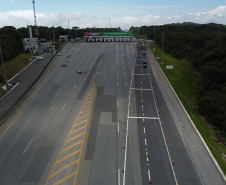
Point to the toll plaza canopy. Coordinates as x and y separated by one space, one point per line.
108 34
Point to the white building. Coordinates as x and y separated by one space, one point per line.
30 44
64 38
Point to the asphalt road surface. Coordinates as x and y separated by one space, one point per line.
116 123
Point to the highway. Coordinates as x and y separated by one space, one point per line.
116 123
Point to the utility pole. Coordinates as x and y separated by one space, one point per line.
162 44
150 33
154 38
6 81
35 20
53 35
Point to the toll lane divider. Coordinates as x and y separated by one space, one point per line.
66 166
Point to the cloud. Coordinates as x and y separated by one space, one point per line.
22 18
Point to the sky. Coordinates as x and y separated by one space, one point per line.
114 13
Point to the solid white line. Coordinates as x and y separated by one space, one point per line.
10 90
126 84
118 176
21 70
117 83
27 146
118 126
144 117
64 106
117 103
65 86
127 126
149 176
142 74
142 89
74 86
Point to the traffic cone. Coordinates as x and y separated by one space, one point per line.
166 140
123 170
173 162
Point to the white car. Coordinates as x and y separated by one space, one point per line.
58 54
39 57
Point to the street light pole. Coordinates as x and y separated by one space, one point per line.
6 81
162 45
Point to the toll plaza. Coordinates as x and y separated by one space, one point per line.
109 37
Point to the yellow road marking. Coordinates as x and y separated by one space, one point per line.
79 123
72 145
82 117
62 169
82 145
15 118
85 111
78 151
85 106
75 137
73 131
65 178
59 161
90 98
88 102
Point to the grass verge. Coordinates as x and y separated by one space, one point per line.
184 79
14 66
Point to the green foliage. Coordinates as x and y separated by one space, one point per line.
1 79
204 47
11 42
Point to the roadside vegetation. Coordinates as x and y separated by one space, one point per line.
13 66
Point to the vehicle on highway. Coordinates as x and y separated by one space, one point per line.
79 71
145 62
144 52
64 65
143 46
144 65
39 57
58 54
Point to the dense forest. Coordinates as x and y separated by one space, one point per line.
204 45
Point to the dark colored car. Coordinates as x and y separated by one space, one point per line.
64 65
79 71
